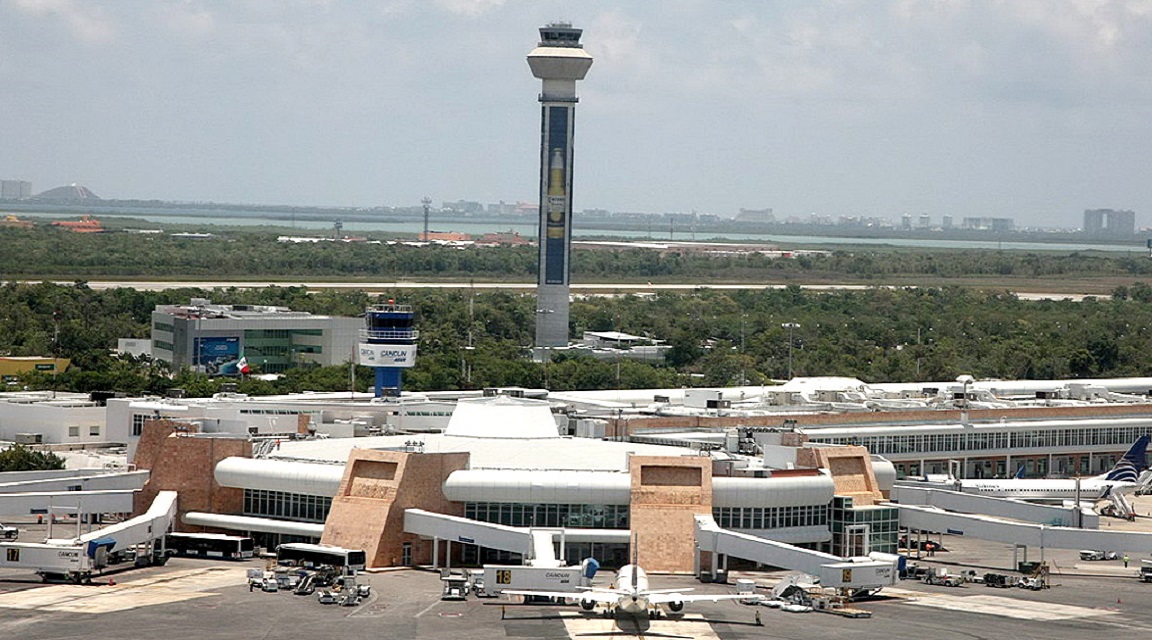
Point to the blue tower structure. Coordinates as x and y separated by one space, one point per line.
389 345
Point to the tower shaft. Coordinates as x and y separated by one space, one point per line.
559 61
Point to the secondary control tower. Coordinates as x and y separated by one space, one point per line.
559 61
388 344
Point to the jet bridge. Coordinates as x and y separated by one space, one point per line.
77 558
536 544
50 502
863 573
1015 532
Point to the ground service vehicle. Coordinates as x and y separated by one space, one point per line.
1146 570
209 545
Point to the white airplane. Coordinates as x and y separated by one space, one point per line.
1128 475
630 596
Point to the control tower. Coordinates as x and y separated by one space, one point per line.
388 344
559 61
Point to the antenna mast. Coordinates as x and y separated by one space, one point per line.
427 202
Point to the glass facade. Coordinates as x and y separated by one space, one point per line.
575 516
960 442
289 506
856 531
770 517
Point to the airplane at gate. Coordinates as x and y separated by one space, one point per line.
1128 475
630 596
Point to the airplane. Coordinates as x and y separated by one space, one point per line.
629 596
1126 476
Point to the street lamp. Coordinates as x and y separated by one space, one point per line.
790 326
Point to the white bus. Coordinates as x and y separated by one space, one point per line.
315 555
209 545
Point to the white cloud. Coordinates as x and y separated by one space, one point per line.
469 7
86 21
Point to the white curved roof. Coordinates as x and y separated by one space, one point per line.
787 491
543 487
502 417
280 475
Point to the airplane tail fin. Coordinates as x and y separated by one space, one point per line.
1129 467
1019 473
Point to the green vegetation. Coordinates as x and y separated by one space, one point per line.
238 254
21 458
718 337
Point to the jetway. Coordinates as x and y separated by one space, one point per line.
536 544
97 480
863 573
958 501
78 557
60 502
1013 532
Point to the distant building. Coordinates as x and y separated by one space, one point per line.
12 222
509 238
1109 222
134 347
924 221
86 224
469 207
946 222
214 338
755 215
611 345
12 366
15 189
989 224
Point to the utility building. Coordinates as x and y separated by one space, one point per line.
215 338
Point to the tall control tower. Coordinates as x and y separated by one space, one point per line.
559 61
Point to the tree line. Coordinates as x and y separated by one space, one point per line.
54 254
716 337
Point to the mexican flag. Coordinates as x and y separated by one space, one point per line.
242 365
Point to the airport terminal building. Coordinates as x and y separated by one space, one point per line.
501 460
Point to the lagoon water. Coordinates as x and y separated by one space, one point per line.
311 226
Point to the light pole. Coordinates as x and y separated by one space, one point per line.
790 326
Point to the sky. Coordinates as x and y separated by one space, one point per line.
1030 109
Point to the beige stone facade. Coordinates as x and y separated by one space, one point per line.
368 511
179 461
668 492
851 469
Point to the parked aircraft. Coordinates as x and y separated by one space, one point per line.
630 596
1125 477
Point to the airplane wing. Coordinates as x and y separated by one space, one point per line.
586 596
664 598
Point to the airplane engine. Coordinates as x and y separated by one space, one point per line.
587 604
676 605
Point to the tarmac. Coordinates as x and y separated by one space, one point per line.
209 599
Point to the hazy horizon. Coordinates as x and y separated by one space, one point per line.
1028 109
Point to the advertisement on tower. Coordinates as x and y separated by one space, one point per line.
386 355
555 201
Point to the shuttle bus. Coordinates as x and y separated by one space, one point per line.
209 545
315 555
